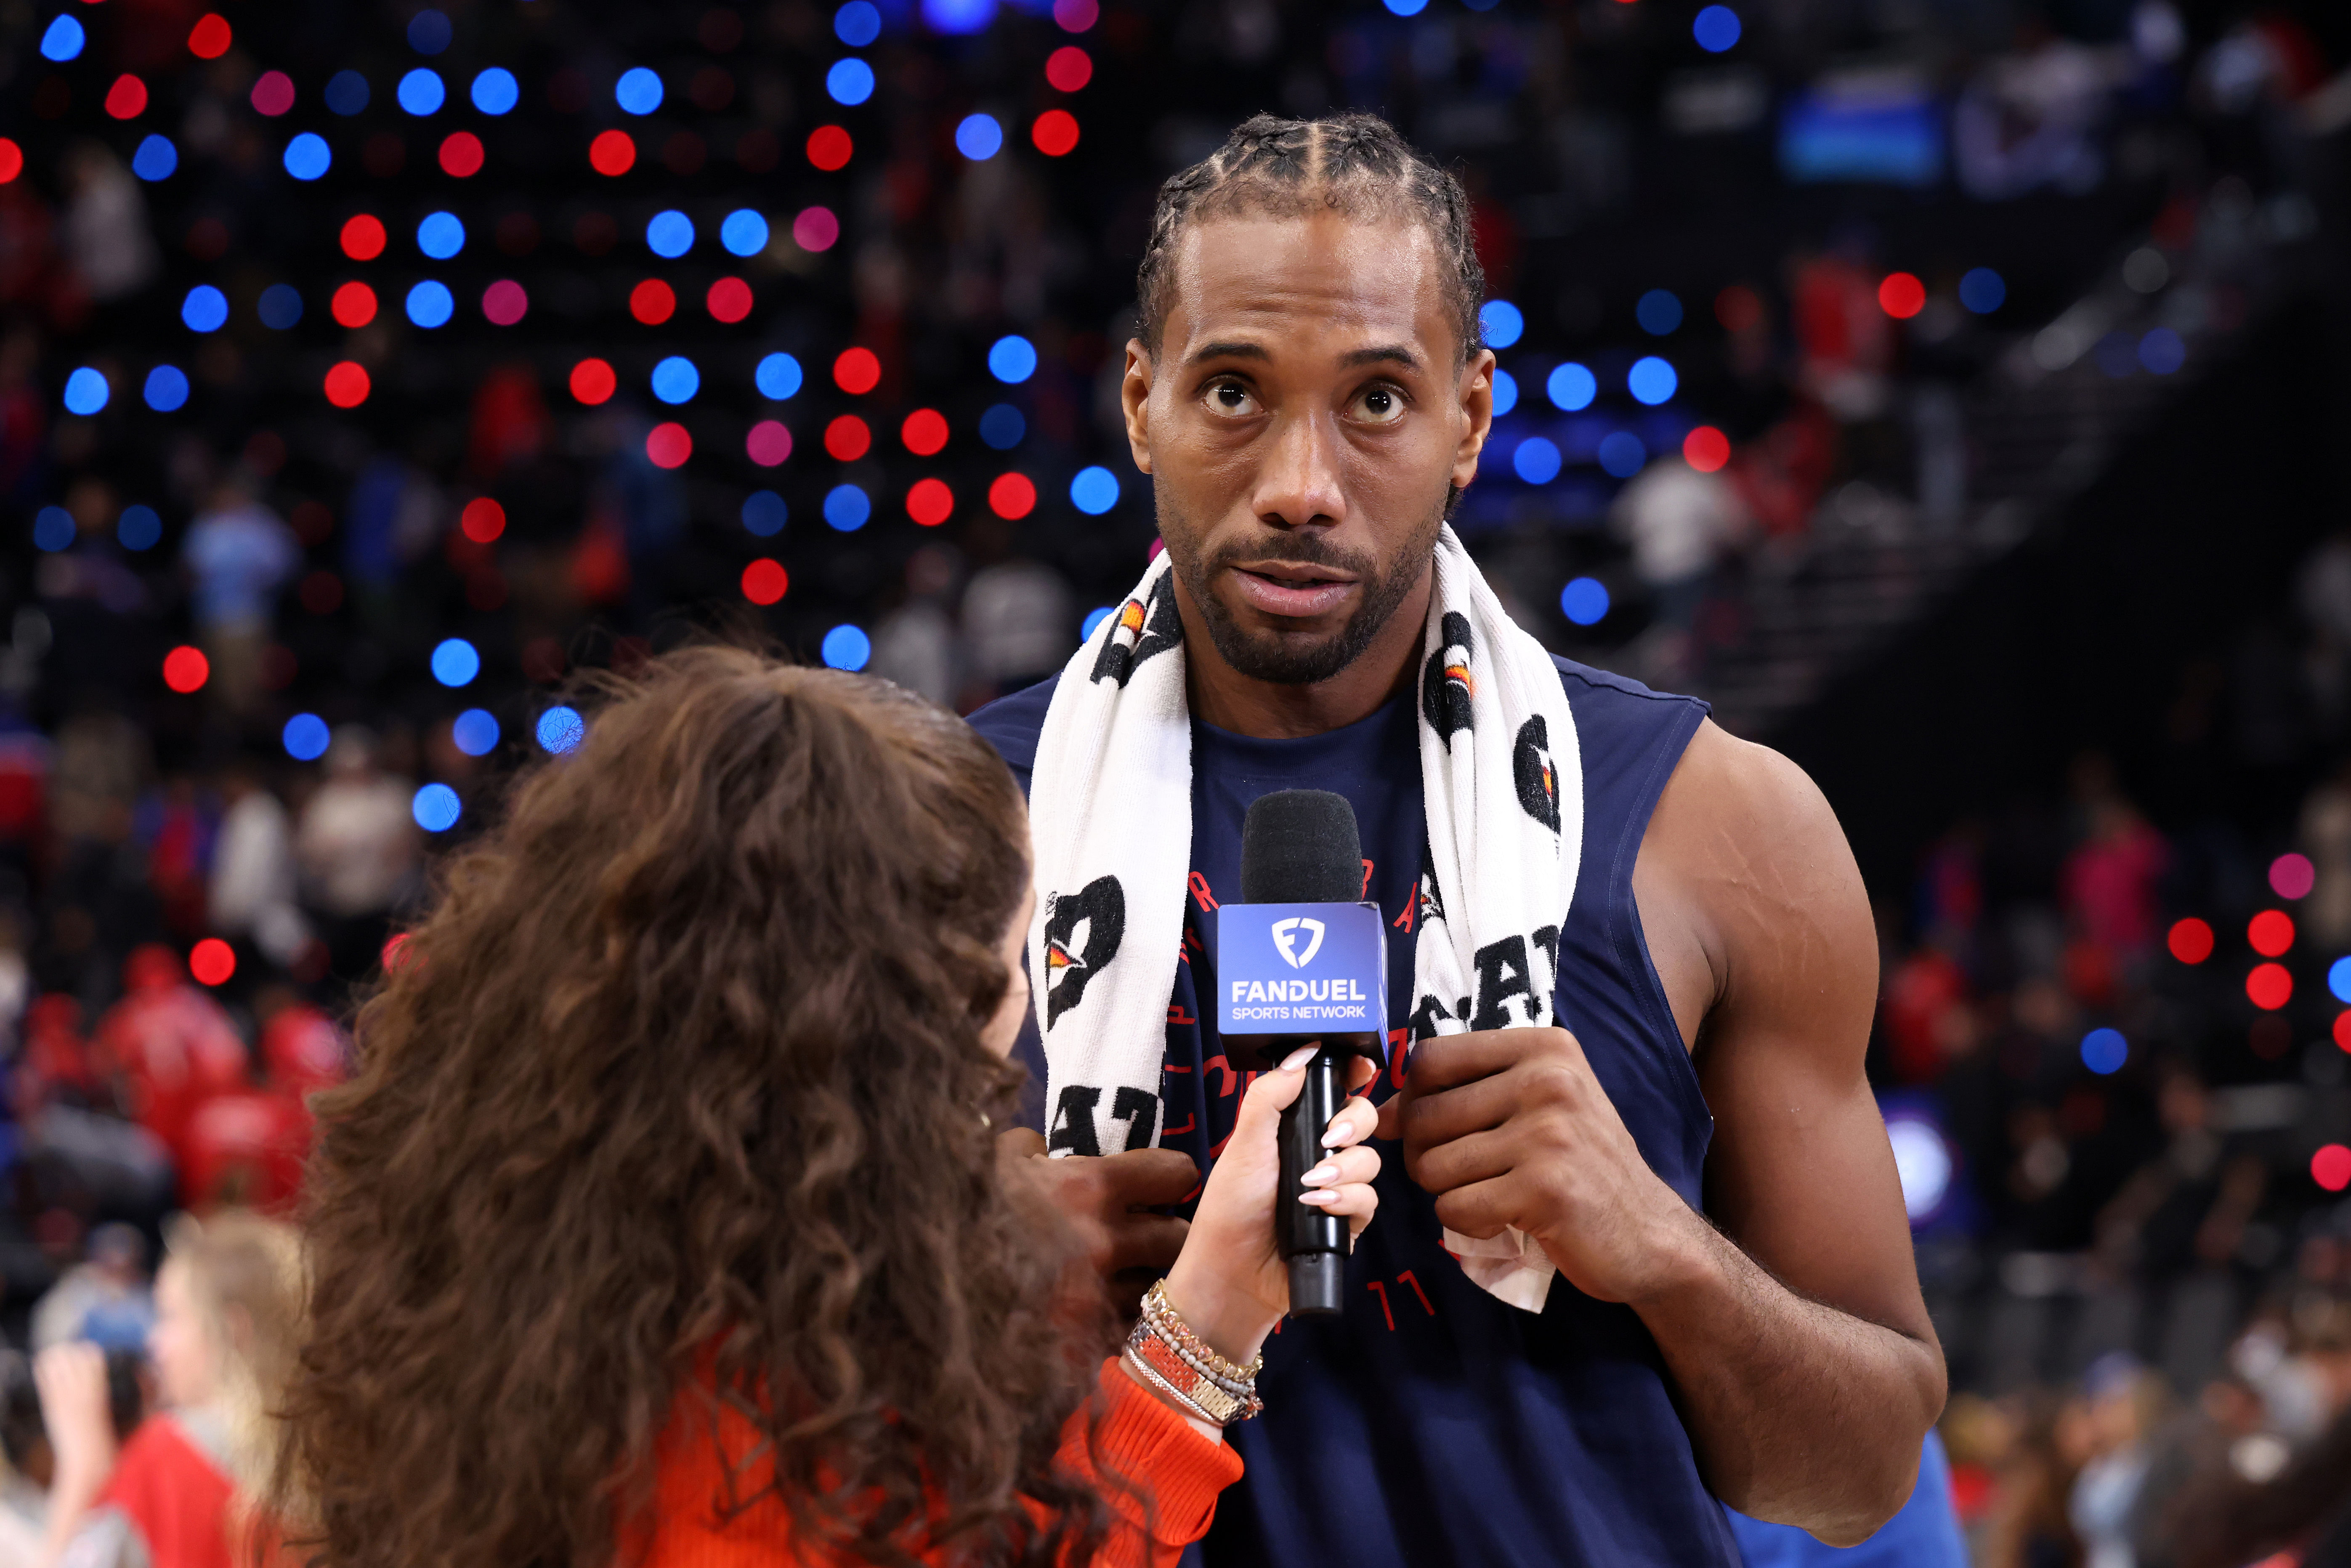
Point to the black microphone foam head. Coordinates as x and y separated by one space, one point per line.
1300 846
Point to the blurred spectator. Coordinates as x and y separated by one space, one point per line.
2029 1527
2325 838
2124 1402
1678 522
917 643
239 553
1020 623
106 231
184 1489
253 892
2110 880
172 1045
106 1298
359 851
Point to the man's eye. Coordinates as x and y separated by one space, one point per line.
1231 398
1379 405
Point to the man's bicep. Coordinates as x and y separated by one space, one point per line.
1800 1173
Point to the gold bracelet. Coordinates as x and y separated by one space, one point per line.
1196 1397
1162 1313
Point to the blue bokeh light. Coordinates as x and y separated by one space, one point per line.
1584 600
1506 391
1982 291
1002 427
2104 1051
857 23
495 91
205 310
64 39
670 234
86 391
561 729
308 156
1094 618
156 159
139 527
850 81
743 232
676 380
306 736
346 92
1094 490
441 235
167 388
281 307
1405 7
1536 460
764 514
847 648
777 377
428 32
421 92
958 17
1500 323
53 529
476 731
1651 380
978 137
1716 28
1621 454
639 90
436 807
2338 979
2162 351
456 663
430 304
1572 387
1012 360
846 508
1659 312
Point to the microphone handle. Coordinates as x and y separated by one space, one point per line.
1314 1243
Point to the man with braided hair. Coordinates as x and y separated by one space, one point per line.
1633 1114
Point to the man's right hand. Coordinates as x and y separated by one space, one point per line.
1105 1200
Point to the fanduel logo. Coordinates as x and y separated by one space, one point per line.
1285 933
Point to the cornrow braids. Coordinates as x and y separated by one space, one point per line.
1353 164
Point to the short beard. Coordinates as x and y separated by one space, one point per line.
1290 660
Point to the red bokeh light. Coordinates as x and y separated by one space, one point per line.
1055 133
347 384
668 445
652 301
829 146
1069 69
504 302
769 443
1012 497
273 93
925 432
363 237
729 299
2343 1028
930 502
186 669
847 438
2271 986
209 40
1901 296
127 98
461 154
483 519
857 370
2292 876
612 153
212 961
2330 1168
2190 940
12 160
765 580
2270 933
1706 449
816 229
1076 16
353 305
592 381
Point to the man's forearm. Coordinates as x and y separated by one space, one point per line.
1800 1414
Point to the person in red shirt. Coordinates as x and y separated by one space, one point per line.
666 1219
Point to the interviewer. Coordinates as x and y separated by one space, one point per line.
665 1220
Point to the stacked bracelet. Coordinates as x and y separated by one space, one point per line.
1167 1354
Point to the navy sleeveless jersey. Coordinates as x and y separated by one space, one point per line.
1431 1424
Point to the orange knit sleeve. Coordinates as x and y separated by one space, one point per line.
1159 1475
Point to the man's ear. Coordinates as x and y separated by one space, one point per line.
1134 391
1477 394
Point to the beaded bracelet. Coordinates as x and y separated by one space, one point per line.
1164 1352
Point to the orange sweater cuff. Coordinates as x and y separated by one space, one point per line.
1169 1467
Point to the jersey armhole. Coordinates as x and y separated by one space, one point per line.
1624 914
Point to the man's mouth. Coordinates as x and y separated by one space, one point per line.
1293 588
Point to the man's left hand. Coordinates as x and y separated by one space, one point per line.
1509 1127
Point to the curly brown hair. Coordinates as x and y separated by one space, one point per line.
686 1072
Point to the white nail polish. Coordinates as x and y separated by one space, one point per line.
1299 1058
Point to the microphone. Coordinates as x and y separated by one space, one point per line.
1302 958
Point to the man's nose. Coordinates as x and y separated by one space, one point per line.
1299 485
